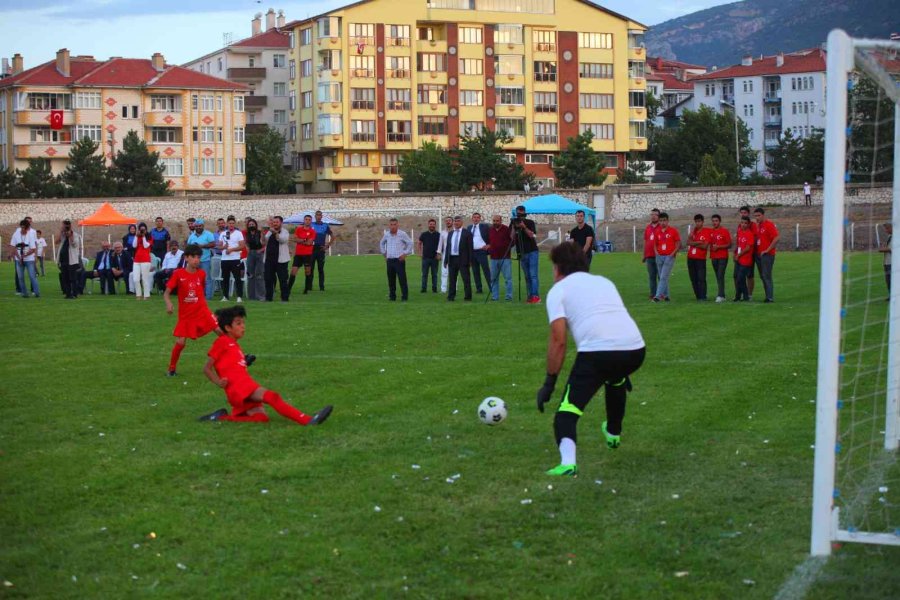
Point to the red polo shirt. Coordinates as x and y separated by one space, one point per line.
720 237
745 241
765 233
650 239
704 234
667 240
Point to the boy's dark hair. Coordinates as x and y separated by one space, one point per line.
663 215
744 207
654 210
760 210
24 223
745 219
716 216
699 216
569 258
193 250
226 316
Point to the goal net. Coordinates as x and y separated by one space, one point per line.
856 494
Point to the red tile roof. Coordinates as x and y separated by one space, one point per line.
663 64
670 82
179 77
807 61
120 72
46 74
268 39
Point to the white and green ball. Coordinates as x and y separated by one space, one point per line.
492 411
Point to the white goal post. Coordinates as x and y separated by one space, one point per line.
846 56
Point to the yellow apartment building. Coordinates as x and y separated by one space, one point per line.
374 79
196 122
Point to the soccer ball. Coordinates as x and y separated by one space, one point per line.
492 411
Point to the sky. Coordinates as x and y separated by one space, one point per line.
183 30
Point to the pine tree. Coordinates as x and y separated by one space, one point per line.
710 175
482 163
136 171
578 166
9 184
428 169
87 175
38 180
265 164
634 170
786 164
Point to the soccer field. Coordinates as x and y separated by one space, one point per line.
110 488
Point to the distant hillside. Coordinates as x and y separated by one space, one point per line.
723 35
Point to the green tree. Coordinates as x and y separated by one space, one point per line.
724 160
136 171
38 180
871 114
710 175
786 160
9 184
86 175
578 166
813 158
634 170
481 162
428 169
265 164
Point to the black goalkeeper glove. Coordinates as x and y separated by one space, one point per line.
546 391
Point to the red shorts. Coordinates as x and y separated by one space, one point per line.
195 328
238 393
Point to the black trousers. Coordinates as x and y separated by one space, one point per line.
481 266
697 273
319 264
429 264
741 274
454 268
396 271
68 279
271 271
107 281
232 268
765 263
720 265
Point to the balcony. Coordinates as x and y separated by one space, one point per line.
772 96
40 117
325 74
43 150
256 128
348 173
546 139
637 53
545 47
332 140
246 73
163 119
637 144
772 122
399 138
255 102
771 143
431 46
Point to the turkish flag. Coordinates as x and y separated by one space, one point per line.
360 47
56 119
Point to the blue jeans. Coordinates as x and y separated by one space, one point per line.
664 264
21 267
498 266
529 263
206 267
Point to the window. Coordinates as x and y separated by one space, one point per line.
306 36
279 88
513 127
219 135
329 27
545 133
206 103
431 94
362 131
510 158
636 68
362 34
49 101
292 69
238 135
330 92
470 35
195 169
329 59
426 61
47 135
390 163
601 131
326 161
538 159
356 159
306 100
595 70
195 101
748 86
165 103
219 64
637 129
303 162
329 125
279 117
425 33
238 104
471 66
710 89
544 41
220 166
362 66
535 7
595 101
636 99
511 95
398 98
399 131
398 35
124 111
208 134
306 131
470 128
612 161
545 102
92 132
595 40
207 166
87 100
165 135
432 125
240 166
174 167
508 34
306 68
544 70
398 67
134 111
470 98
748 110
362 98
292 100
509 64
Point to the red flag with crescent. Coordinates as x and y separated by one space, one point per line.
56 119
360 47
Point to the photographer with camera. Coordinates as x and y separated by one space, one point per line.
24 250
256 288
231 243
141 274
524 232
69 260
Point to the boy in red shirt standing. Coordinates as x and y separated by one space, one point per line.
698 244
766 238
227 368
650 251
720 242
743 259
303 255
667 245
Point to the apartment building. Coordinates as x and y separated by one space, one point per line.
194 121
259 62
375 79
669 82
770 95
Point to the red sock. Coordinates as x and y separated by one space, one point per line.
255 418
284 409
176 353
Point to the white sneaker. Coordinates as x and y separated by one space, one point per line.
239 300
224 299
719 299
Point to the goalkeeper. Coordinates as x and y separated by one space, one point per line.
610 348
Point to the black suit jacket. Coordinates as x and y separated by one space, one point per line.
484 229
466 251
99 258
122 262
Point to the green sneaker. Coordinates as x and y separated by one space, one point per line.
612 441
564 471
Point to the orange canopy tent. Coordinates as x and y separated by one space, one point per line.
105 215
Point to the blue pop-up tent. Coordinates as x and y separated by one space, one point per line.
554 204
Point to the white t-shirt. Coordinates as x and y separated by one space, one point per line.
806 190
41 245
595 313
29 238
231 242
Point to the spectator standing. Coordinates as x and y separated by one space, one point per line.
173 260
668 243
206 240
650 251
278 255
231 243
217 234
428 248
23 244
583 235
743 259
41 248
324 239
698 246
395 246
720 242
499 240
69 259
256 251
480 235
886 249
524 232
303 254
128 244
161 239
766 239
141 274
459 259
807 194
442 250
190 227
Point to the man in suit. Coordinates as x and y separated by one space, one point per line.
120 265
480 244
458 258
100 271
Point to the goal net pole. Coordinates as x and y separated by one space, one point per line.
892 412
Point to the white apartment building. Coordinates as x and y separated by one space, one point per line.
770 95
260 62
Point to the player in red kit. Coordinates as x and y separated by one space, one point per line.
743 259
303 254
698 246
227 368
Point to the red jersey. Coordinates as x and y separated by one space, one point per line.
142 249
228 359
704 234
650 239
720 237
190 288
667 240
745 243
765 233
304 234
